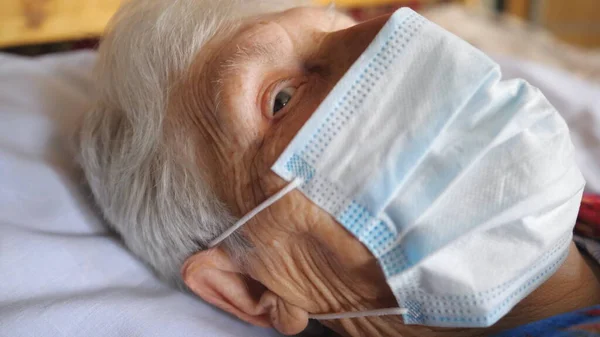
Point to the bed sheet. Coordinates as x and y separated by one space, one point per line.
62 273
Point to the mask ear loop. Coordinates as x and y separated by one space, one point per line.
270 201
357 314
242 221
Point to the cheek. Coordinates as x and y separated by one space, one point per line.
244 126
284 130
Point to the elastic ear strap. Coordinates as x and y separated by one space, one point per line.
242 221
357 314
270 201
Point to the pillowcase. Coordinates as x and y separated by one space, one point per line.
62 272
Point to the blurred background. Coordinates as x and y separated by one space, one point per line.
564 33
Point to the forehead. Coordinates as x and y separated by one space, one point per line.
294 23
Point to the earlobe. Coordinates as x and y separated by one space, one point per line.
211 275
285 317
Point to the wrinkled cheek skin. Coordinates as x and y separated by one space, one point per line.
274 144
293 213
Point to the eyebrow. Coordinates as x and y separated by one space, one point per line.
244 55
249 53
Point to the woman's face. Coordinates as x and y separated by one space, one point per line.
248 94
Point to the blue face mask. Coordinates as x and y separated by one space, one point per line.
462 186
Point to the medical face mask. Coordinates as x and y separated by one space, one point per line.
463 187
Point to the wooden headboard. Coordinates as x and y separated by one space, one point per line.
24 22
573 21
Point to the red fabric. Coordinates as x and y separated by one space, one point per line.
588 220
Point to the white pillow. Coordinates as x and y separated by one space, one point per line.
61 272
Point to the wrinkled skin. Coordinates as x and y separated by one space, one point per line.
302 261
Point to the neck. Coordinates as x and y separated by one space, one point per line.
574 286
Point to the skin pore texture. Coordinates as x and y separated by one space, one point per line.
302 261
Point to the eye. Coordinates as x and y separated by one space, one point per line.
282 98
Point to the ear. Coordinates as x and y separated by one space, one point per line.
212 275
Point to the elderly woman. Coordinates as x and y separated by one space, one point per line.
196 101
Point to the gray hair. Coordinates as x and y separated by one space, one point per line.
145 180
